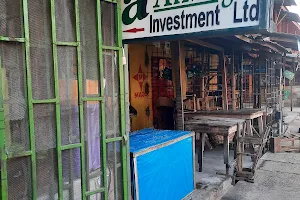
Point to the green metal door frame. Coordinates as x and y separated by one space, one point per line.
56 100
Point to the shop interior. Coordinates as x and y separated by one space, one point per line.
171 83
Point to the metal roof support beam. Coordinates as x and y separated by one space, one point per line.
244 38
279 12
282 39
281 19
271 45
206 44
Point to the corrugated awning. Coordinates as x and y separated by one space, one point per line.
290 16
264 41
287 40
285 2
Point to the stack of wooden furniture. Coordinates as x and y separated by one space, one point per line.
194 104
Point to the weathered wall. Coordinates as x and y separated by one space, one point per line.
140 74
138 99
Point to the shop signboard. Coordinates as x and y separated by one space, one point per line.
180 18
289 75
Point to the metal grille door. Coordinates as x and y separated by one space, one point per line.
62 115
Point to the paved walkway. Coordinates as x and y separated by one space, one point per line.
278 178
278 175
293 121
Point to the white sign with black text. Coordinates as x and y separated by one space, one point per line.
150 18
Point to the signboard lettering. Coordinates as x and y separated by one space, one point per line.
150 18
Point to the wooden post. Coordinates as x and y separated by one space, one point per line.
261 126
226 152
249 127
202 90
201 150
239 159
265 120
177 49
254 83
259 83
224 81
194 103
233 82
242 82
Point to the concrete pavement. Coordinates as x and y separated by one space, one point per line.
278 175
277 178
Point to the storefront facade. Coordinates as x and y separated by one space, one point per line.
154 29
64 90
195 62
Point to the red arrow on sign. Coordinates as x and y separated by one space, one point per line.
134 30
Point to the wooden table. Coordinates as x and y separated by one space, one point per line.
247 114
214 125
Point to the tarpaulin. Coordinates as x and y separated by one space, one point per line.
165 169
147 138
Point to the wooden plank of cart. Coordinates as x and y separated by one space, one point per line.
247 114
226 127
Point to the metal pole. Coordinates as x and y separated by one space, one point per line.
3 156
283 83
127 103
102 93
30 100
267 81
80 99
57 105
280 102
122 102
292 83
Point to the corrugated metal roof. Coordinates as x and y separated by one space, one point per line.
285 2
290 16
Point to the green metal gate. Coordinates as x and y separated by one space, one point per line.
62 113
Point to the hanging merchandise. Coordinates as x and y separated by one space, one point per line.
289 75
